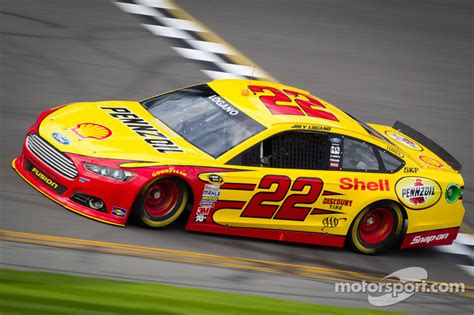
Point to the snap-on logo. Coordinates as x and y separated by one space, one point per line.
347 183
428 239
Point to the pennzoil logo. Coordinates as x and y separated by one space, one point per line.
92 131
418 192
44 178
144 129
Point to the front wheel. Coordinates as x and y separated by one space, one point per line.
160 203
376 229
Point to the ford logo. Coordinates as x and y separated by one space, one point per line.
60 138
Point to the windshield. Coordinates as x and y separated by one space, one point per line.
371 131
203 118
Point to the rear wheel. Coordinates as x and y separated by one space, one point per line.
161 202
376 229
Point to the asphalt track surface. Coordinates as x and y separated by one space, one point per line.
381 60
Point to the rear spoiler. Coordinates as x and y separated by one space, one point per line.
428 143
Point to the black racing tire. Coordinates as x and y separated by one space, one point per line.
160 203
377 228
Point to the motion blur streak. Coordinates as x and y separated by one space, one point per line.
193 257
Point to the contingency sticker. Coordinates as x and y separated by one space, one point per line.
210 195
335 152
404 140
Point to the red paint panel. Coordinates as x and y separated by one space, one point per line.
285 236
331 193
308 104
278 96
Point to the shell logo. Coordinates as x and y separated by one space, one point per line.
418 192
92 131
431 161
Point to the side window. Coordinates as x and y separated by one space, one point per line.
359 155
292 149
390 162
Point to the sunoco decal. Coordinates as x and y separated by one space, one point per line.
119 212
407 142
418 192
144 129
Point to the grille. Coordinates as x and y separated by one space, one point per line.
47 154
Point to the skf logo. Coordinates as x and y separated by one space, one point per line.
347 183
418 192
92 131
410 169
44 178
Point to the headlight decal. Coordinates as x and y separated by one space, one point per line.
108 172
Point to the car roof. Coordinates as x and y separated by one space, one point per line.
237 92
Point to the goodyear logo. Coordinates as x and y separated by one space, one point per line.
44 178
170 170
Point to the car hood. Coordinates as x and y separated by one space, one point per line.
116 130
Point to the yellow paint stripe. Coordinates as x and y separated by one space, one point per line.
317 273
238 58
60 203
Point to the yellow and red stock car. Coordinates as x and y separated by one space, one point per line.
248 158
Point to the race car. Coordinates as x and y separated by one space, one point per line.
247 158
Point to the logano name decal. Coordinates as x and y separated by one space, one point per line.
347 183
144 129
220 102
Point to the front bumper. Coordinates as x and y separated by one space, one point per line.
117 196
